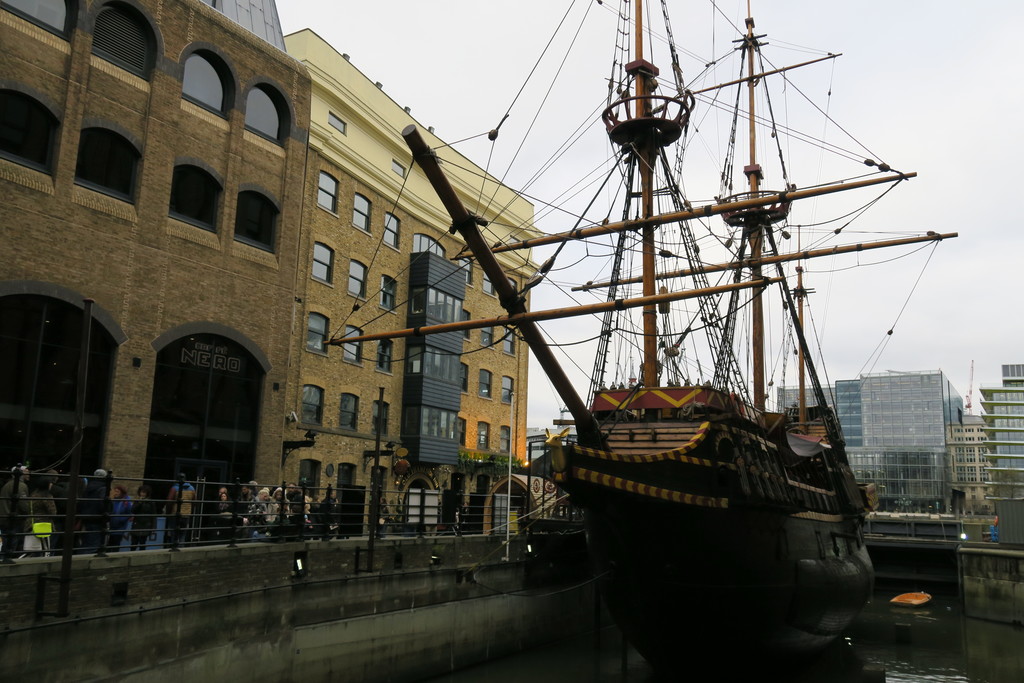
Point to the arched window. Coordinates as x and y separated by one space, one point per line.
312 404
357 279
361 212
205 409
323 262
483 436
392 228
348 417
421 242
107 162
39 345
27 130
122 36
388 292
506 389
255 220
263 113
327 192
316 334
352 351
205 82
381 412
485 384
194 197
50 14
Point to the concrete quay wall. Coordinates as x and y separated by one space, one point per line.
204 612
993 583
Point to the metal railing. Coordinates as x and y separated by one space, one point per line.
120 514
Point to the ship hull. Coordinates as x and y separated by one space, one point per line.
710 536
752 584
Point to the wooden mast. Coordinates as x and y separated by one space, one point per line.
755 226
645 152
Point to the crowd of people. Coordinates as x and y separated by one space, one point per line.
109 518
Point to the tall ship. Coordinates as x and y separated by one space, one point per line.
721 522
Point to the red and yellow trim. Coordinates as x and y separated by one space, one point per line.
619 484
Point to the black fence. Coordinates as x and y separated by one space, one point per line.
108 514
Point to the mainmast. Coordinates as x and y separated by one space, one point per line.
643 124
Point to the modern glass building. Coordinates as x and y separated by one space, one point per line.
895 426
1004 425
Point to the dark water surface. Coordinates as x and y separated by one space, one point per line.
930 644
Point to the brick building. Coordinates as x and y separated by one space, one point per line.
378 256
146 148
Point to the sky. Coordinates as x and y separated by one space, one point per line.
929 87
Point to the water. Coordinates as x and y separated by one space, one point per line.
930 644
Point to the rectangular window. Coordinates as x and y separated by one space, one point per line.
323 262
312 404
349 411
380 416
488 286
506 389
483 436
391 230
486 336
361 212
335 122
398 168
357 279
485 384
385 352
461 426
327 194
352 351
466 316
465 378
316 333
504 439
388 290
508 342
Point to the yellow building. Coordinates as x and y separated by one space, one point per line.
378 255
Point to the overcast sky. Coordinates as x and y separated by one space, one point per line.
930 87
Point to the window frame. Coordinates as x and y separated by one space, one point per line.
217 67
392 230
266 204
30 133
252 111
385 358
352 352
376 407
352 410
62 31
114 144
388 293
357 274
330 193
507 389
210 185
101 40
485 384
359 215
329 266
312 391
322 334
483 436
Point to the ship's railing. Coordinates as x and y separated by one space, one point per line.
123 514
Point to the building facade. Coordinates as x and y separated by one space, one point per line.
969 467
896 426
1004 425
146 149
377 255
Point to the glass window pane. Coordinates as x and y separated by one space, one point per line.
255 219
327 194
194 195
323 262
106 161
46 13
202 83
26 130
261 114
